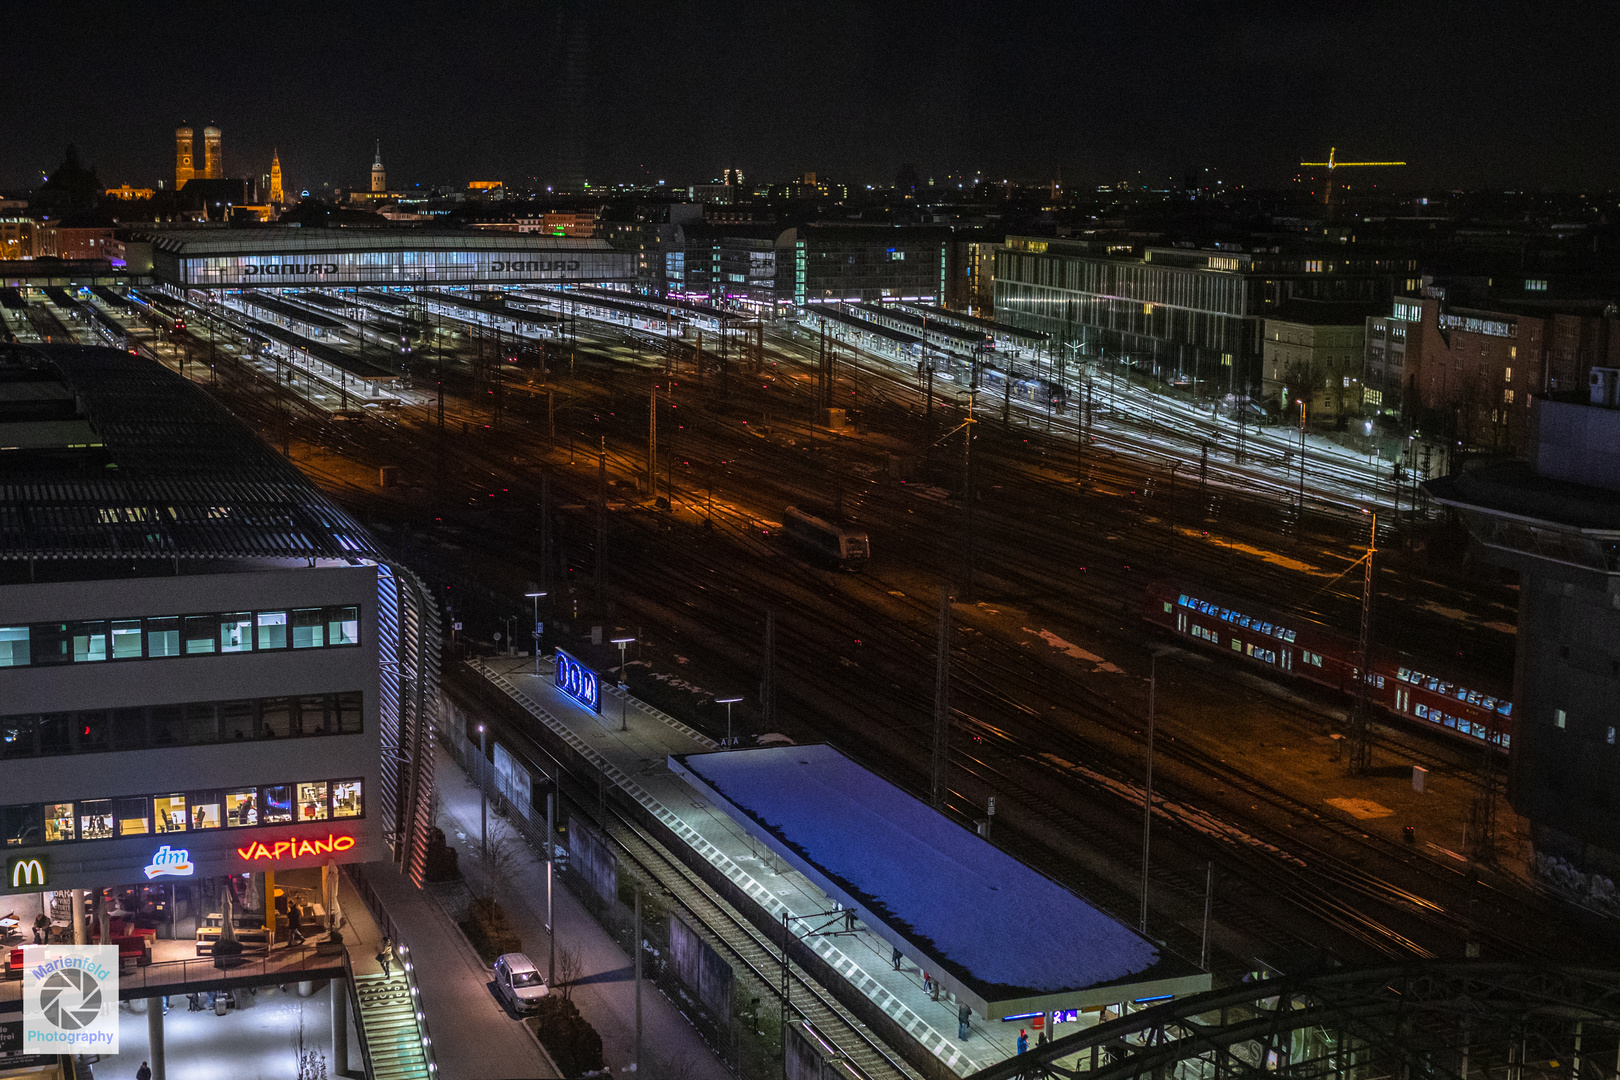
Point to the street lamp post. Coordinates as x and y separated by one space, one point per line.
483 791
624 724
728 702
1147 801
535 596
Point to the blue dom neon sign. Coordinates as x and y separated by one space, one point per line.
578 682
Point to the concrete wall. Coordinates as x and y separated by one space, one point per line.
1579 443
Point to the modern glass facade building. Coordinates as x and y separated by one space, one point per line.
834 264
1175 311
235 259
207 669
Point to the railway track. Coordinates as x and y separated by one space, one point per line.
760 960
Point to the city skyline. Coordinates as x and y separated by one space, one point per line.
1112 93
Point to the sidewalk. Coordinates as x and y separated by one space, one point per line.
637 761
473 1035
605 991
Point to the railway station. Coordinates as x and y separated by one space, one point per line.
943 897
914 925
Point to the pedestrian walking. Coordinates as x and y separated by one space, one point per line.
295 926
143 1073
897 959
386 958
1023 1040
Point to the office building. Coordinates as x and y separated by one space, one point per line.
210 674
1555 519
1314 352
833 264
1179 312
185 160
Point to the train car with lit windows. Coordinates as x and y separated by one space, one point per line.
1289 647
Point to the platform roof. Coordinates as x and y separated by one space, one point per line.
1003 937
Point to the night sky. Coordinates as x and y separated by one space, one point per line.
1490 95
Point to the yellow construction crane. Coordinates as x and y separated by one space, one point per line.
1333 163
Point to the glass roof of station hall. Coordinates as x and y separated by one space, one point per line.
203 243
108 456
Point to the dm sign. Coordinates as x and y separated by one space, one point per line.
70 999
578 682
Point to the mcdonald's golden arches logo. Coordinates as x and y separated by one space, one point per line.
27 871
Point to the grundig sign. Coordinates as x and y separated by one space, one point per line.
290 268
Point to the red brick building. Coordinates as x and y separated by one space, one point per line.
1466 374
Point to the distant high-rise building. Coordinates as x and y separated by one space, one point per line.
213 166
185 166
275 178
379 175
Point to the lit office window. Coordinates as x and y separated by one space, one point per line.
170 813
89 642
343 626
278 807
14 646
312 801
163 636
95 819
236 632
307 628
205 810
133 816
199 634
346 798
126 639
241 808
272 630
59 822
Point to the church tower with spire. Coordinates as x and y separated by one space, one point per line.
276 198
379 175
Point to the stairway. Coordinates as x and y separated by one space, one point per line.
394 1037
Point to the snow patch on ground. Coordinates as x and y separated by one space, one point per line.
1069 648
973 903
1360 809
1272 557
1170 810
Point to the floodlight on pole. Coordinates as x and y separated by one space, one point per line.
624 692
535 596
728 702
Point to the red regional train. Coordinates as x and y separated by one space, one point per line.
1300 649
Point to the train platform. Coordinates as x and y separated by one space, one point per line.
633 753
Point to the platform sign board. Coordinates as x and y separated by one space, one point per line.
70 999
578 682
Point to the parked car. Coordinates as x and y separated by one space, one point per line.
519 982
